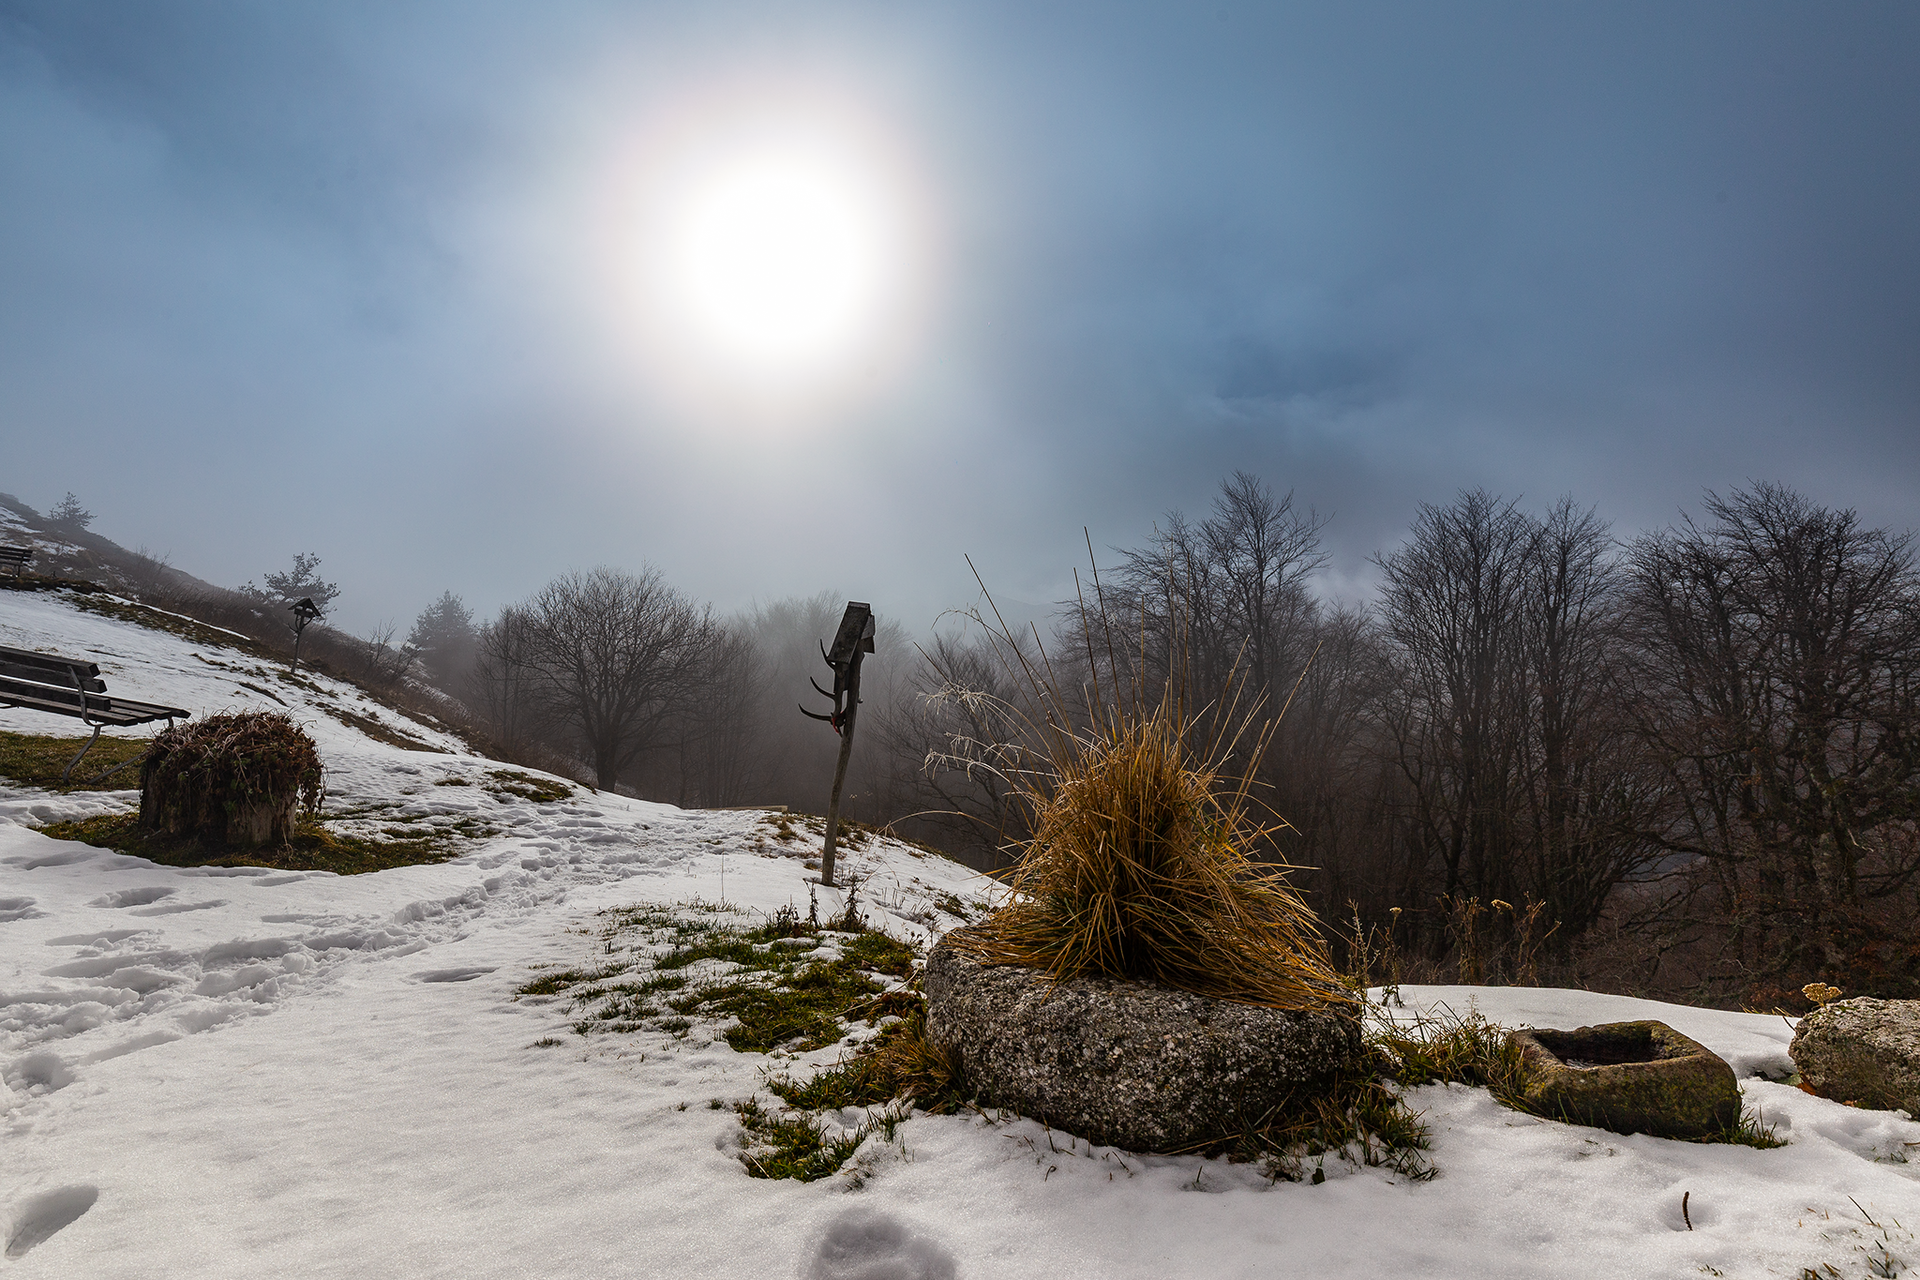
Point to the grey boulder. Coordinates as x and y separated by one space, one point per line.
1128 1064
1862 1050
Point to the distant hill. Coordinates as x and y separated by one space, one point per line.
183 605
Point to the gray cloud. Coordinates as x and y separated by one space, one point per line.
277 279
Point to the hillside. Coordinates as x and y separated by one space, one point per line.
237 1071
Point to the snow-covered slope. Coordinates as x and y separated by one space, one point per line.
238 1073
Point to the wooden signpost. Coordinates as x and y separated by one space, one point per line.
851 643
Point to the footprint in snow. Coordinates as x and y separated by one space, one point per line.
133 897
65 859
451 975
37 1218
17 909
861 1244
104 938
39 1074
175 908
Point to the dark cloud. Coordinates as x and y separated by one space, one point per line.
1373 252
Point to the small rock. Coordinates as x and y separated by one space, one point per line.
1862 1050
1127 1064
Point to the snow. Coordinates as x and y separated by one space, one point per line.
236 1072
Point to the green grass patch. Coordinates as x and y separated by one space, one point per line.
786 1145
37 760
881 953
759 983
553 984
311 847
730 949
505 783
706 963
803 1010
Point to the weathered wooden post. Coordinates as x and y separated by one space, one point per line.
853 642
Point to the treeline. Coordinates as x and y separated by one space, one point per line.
1685 764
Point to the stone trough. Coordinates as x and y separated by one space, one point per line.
1630 1077
1128 1064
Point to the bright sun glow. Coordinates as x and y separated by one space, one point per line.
780 259
779 255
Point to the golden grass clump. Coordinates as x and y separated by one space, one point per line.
1138 868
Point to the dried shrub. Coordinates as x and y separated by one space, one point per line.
1138 868
1140 862
230 779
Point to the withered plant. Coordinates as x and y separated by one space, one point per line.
1140 863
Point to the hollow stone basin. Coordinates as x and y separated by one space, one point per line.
1630 1077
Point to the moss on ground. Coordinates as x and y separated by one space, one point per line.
310 848
765 992
763 986
37 761
376 729
512 783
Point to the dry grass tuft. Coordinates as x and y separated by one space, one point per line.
1139 863
1138 868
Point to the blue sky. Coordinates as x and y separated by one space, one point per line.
346 278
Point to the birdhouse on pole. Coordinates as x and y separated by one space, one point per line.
304 611
851 643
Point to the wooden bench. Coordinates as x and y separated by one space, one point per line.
15 558
70 687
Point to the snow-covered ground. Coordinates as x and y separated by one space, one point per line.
239 1073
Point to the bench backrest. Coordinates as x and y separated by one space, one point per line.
47 668
15 557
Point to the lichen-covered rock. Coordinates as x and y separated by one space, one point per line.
1127 1064
1631 1077
1864 1051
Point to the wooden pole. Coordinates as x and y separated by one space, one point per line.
840 770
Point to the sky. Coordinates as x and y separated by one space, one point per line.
396 283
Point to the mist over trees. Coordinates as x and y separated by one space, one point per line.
1684 765
1687 765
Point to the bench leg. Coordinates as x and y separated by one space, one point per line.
83 751
110 770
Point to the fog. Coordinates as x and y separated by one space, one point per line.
355 281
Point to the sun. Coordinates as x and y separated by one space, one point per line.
778 255
780 259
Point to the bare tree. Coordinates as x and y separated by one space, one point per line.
1202 599
1584 784
1779 676
505 685
618 656
1523 782
716 736
381 664
947 733
1451 603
